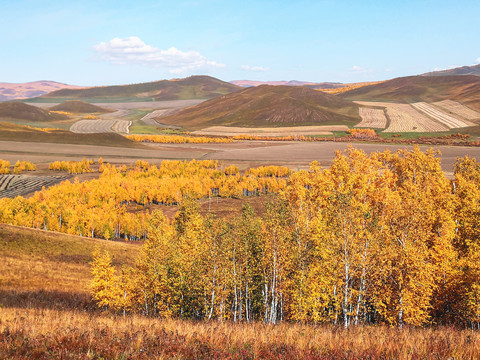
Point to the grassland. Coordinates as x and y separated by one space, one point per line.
46 313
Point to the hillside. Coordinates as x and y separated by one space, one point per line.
193 87
14 91
47 269
79 107
14 132
269 106
465 89
312 85
22 111
463 70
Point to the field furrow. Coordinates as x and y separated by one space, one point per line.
15 185
458 109
440 116
101 126
372 118
404 118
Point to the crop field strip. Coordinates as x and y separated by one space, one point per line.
372 118
405 118
440 116
101 126
19 185
456 108
5 181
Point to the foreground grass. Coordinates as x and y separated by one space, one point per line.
45 334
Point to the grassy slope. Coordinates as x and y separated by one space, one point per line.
465 89
22 111
14 132
79 107
269 106
37 267
193 87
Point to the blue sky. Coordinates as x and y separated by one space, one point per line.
106 42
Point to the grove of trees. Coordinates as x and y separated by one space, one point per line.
379 238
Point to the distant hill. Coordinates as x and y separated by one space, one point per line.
193 87
13 91
465 88
15 132
268 106
79 107
312 85
22 111
464 70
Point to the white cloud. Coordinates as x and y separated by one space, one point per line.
388 70
133 50
478 60
254 68
358 69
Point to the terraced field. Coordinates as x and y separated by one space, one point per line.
404 118
372 118
101 126
456 108
447 120
20 185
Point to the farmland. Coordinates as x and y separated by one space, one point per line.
447 120
456 108
101 126
21 185
372 118
404 118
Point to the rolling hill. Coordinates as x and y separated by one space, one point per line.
193 87
79 107
462 88
269 106
463 70
25 112
15 132
14 91
312 85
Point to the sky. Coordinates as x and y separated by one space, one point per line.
104 42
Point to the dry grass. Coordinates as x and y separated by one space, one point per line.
33 260
46 334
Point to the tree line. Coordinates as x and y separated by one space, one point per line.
379 238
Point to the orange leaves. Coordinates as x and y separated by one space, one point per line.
177 139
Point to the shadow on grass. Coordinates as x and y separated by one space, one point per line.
43 299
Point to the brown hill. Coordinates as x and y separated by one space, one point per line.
22 111
15 132
13 91
462 88
268 106
311 85
193 87
79 107
464 70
